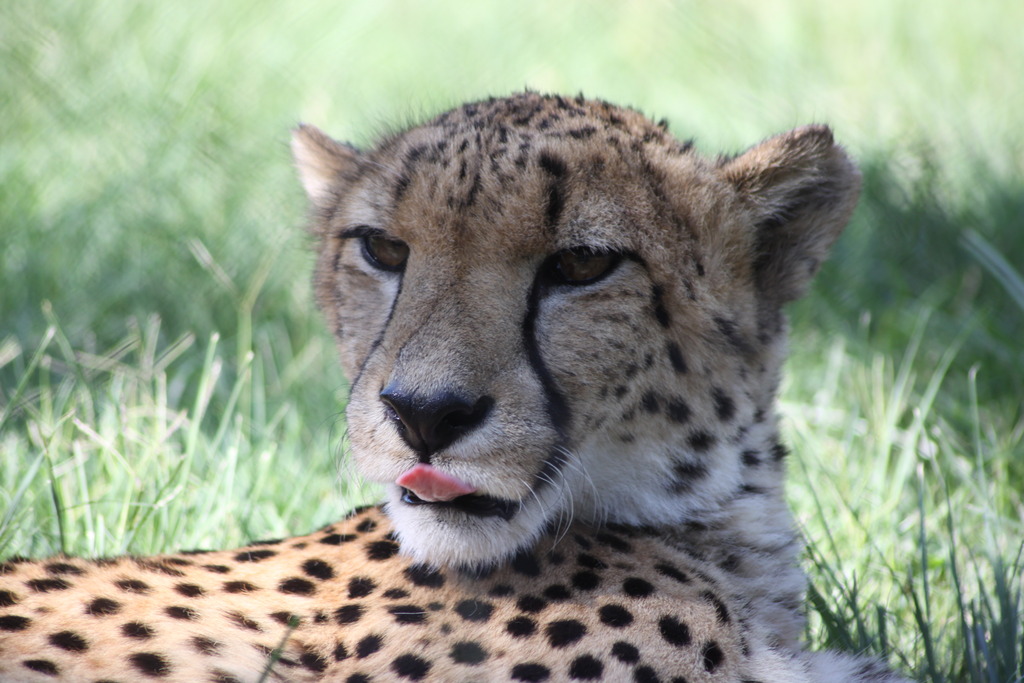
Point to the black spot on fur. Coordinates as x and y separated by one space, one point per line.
102 607
285 618
254 555
381 550
750 458
724 406
557 592
531 604
526 564
585 580
731 563
47 585
779 452
215 568
720 609
239 587
137 630
674 631
586 668
366 526
189 590
150 664
467 652
645 674
701 441
179 612
42 666
313 661
730 331
348 614
408 614
686 475
583 133
636 587
501 590
337 539
671 572
474 610
521 627
369 645
411 667
69 640
422 575
649 402
713 656
564 632
396 593
360 586
590 562
297 586
205 646
63 568
677 410
614 542
11 563
530 672
616 616
158 567
626 653
7 599
318 569
245 622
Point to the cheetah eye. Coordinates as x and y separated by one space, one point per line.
384 253
581 265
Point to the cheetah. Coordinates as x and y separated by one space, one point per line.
563 330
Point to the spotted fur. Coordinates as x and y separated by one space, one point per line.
615 423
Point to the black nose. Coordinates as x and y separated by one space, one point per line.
432 423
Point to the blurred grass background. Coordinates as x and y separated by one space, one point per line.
165 380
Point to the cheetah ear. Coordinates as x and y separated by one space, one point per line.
322 162
802 188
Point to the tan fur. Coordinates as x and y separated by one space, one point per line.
624 427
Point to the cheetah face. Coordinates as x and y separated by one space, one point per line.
550 309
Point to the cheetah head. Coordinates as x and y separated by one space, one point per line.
549 309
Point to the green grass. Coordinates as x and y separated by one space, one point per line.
165 381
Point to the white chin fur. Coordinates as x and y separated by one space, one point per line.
445 537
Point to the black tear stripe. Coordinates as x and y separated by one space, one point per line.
378 340
557 408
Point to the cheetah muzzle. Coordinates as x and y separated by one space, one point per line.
563 331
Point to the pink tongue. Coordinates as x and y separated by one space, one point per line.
433 486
